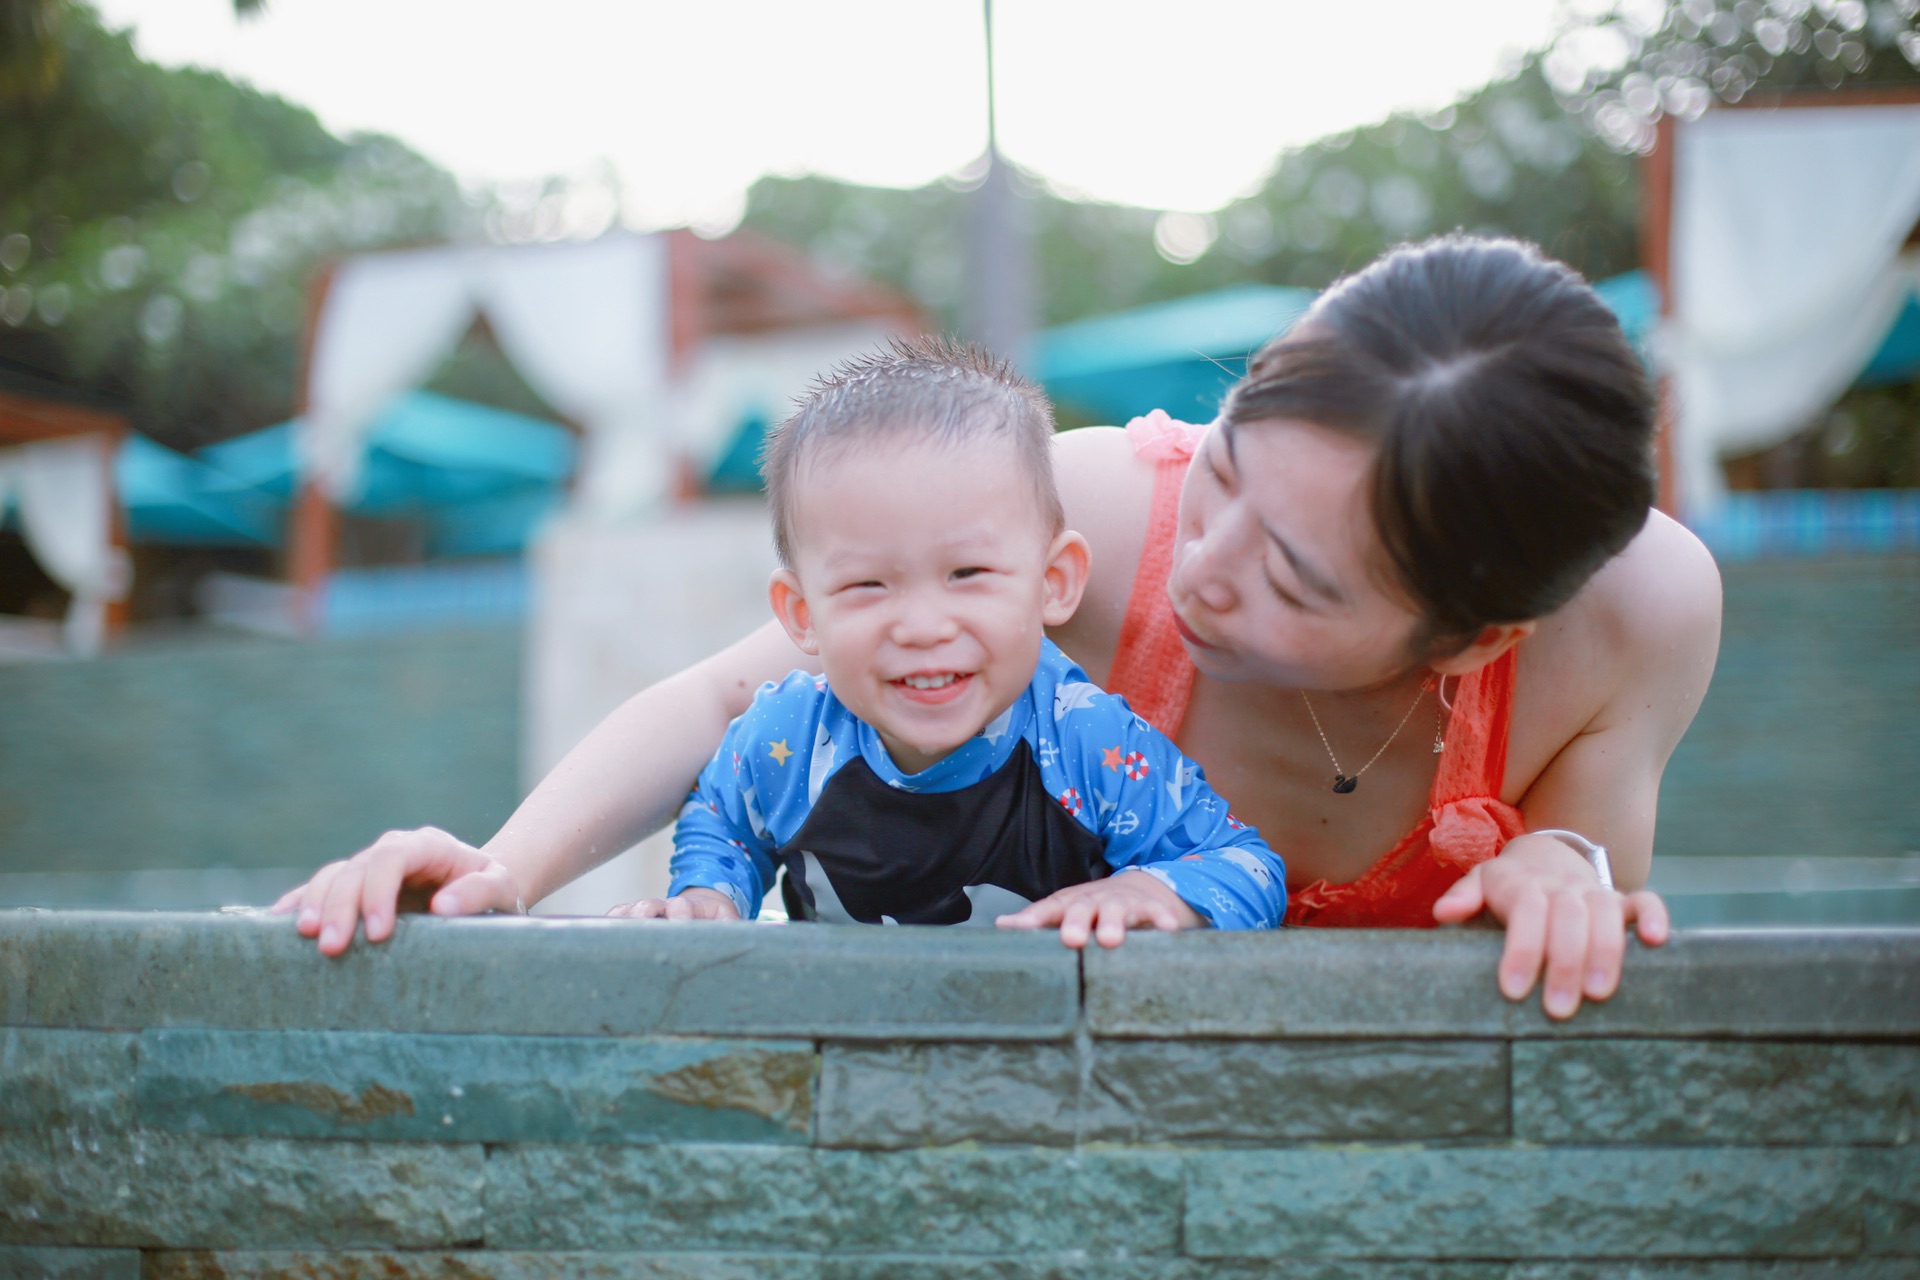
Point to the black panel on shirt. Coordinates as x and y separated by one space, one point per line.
911 855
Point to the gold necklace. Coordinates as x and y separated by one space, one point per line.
1343 784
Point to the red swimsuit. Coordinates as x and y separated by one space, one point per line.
1466 821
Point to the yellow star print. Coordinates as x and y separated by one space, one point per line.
779 752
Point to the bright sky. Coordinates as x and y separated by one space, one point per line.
1177 104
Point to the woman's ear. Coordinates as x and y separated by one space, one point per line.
790 609
1494 639
1068 560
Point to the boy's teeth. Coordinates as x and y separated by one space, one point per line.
931 682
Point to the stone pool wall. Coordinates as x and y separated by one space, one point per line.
202 1095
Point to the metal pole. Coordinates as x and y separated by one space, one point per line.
999 312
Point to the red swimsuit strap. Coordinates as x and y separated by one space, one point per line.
1151 669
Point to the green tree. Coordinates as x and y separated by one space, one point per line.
1622 64
158 228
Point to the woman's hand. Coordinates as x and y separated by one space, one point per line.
688 904
1556 915
1105 909
462 880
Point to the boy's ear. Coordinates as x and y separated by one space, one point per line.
1068 560
790 608
1493 640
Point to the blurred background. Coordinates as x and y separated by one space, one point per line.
380 385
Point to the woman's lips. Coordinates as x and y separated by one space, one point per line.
1187 633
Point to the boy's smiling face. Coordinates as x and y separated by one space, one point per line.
923 576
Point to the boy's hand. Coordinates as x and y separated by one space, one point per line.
463 881
1105 909
688 904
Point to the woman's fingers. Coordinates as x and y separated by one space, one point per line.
1566 953
311 896
1526 943
380 895
1648 911
341 910
490 887
1465 900
1606 943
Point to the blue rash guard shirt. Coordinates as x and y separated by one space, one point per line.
1068 785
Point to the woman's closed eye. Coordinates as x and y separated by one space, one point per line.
1286 597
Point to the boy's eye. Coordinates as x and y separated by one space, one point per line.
969 571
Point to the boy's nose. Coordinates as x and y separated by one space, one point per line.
920 624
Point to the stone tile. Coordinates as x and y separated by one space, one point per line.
1714 1269
477 1264
1893 1205
31 1262
170 1190
59 1077
1086 1264
1676 1091
912 1095
773 1198
569 977
1414 1202
1849 984
377 1085
1225 1091
1211 1091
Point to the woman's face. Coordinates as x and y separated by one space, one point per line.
1278 573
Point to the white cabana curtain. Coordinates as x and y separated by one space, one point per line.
64 491
586 325
1787 270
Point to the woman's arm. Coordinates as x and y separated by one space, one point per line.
623 781
1653 620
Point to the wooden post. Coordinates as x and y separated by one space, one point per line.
1656 256
119 609
312 524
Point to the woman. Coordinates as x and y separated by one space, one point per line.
1405 601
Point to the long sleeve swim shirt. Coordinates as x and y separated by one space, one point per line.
1066 786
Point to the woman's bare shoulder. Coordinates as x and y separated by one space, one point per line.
1662 593
1650 619
1107 492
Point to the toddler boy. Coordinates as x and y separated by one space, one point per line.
949 765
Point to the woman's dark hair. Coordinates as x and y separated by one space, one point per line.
1513 421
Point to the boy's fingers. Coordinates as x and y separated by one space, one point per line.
1076 923
1035 915
1111 928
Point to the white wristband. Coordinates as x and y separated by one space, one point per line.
1595 854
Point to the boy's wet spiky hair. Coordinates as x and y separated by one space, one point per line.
933 389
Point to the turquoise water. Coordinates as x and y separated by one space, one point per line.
211 769
1807 750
